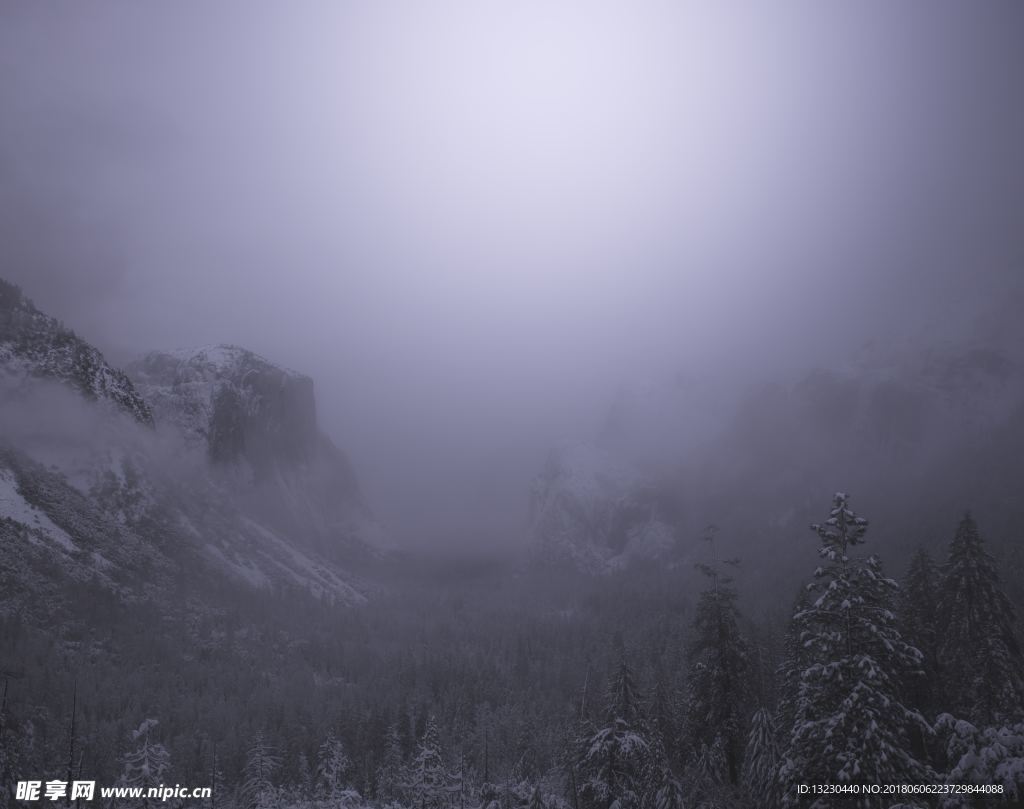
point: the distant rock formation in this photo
(597, 513)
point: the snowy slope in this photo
(14, 507)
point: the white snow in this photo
(223, 357)
(17, 508)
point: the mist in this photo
(474, 224)
(534, 405)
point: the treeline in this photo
(540, 690)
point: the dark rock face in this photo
(35, 345)
(227, 426)
(243, 407)
(258, 419)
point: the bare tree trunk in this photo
(213, 779)
(71, 746)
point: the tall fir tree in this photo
(918, 609)
(146, 764)
(981, 665)
(216, 781)
(851, 724)
(662, 789)
(718, 689)
(257, 789)
(663, 717)
(390, 772)
(428, 782)
(761, 760)
(790, 669)
(614, 759)
(331, 766)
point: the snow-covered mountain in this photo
(210, 462)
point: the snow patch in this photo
(14, 506)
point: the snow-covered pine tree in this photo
(664, 717)
(992, 756)
(704, 779)
(851, 724)
(613, 760)
(669, 794)
(216, 782)
(257, 790)
(428, 781)
(794, 660)
(489, 796)
(146, 764)
(662, 790)
(331, 766)
(761, 760)
(305, 782)
(918, 604)
(980, 656)
(391, 772)
(718, 692)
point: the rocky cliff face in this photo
(211, 463)
(235, 403)
(256, 423)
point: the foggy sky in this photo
(472, 222)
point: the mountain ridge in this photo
(33, 344)
(210, 458)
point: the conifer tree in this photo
(663, 714)
(428, 780)
(217, 782)
(718, 688)
(669, 794)
(662, 789)
(331, 765)
(305, 782)
(983, 756)
(613, 759)
(489, 796)
(851, 725)
(761, 760)
(981, 662)
(146, 765)
(257, 790)
(704, 774)
(390, 774)
(918, 605)
(794, 660)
